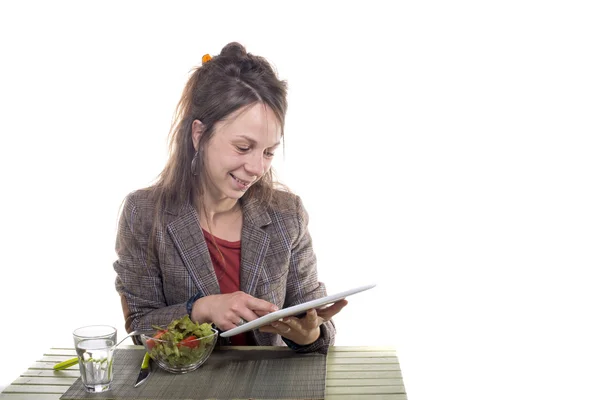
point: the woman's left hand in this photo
(305, 330)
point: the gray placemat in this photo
(227, 374)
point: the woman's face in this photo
(240, 151)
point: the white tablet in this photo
(294, 310)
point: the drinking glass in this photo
(95, 345)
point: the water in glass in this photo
(95, 363)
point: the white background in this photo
(448, 151)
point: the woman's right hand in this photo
(227, 310)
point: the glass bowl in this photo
(184, 356)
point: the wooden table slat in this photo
(29, 396)
(65, 373)
(361, 367)
(361, 382)
(50, 365)
(44, 380)
(365, 390)
(337, 349)
(363, 374)
(361, 360)
(61, 352)
(354, 354)
(394, 396)
(53, 359)
(35, 389)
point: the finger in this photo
(278, 328)
(268, 329)
(260, 305)
(295, 324)
(282, 327)
(245, 314)
(225, 325)
(328, 312)
(261, 313)
(267, 324)
(311, 320)
(245, 311)
(239, 314)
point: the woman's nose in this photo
(256, 164)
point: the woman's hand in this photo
(227, 310)
(304, 330)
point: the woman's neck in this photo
(213, 211)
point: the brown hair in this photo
(222, 85)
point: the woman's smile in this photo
(239, 183)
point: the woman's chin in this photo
(235, 194)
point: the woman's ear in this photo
(197, 130)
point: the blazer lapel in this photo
(255, 243)
(188, 238)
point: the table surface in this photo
(352, 373)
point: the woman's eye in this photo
(269, 154)
(242, 148)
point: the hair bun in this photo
(233, 49)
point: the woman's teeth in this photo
(240, 181)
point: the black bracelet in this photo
(294, 345)
(190, 303)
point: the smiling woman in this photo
(215, 237)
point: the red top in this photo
(226, 262)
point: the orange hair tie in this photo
(206, 58)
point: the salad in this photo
(178, 345)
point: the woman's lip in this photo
(246, 183)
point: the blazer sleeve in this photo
(139, 277)
(303, 284)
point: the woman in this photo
(214, 237)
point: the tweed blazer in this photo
(156, 277)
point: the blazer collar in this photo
(188, 238)
(255, 243)
(255, 212)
